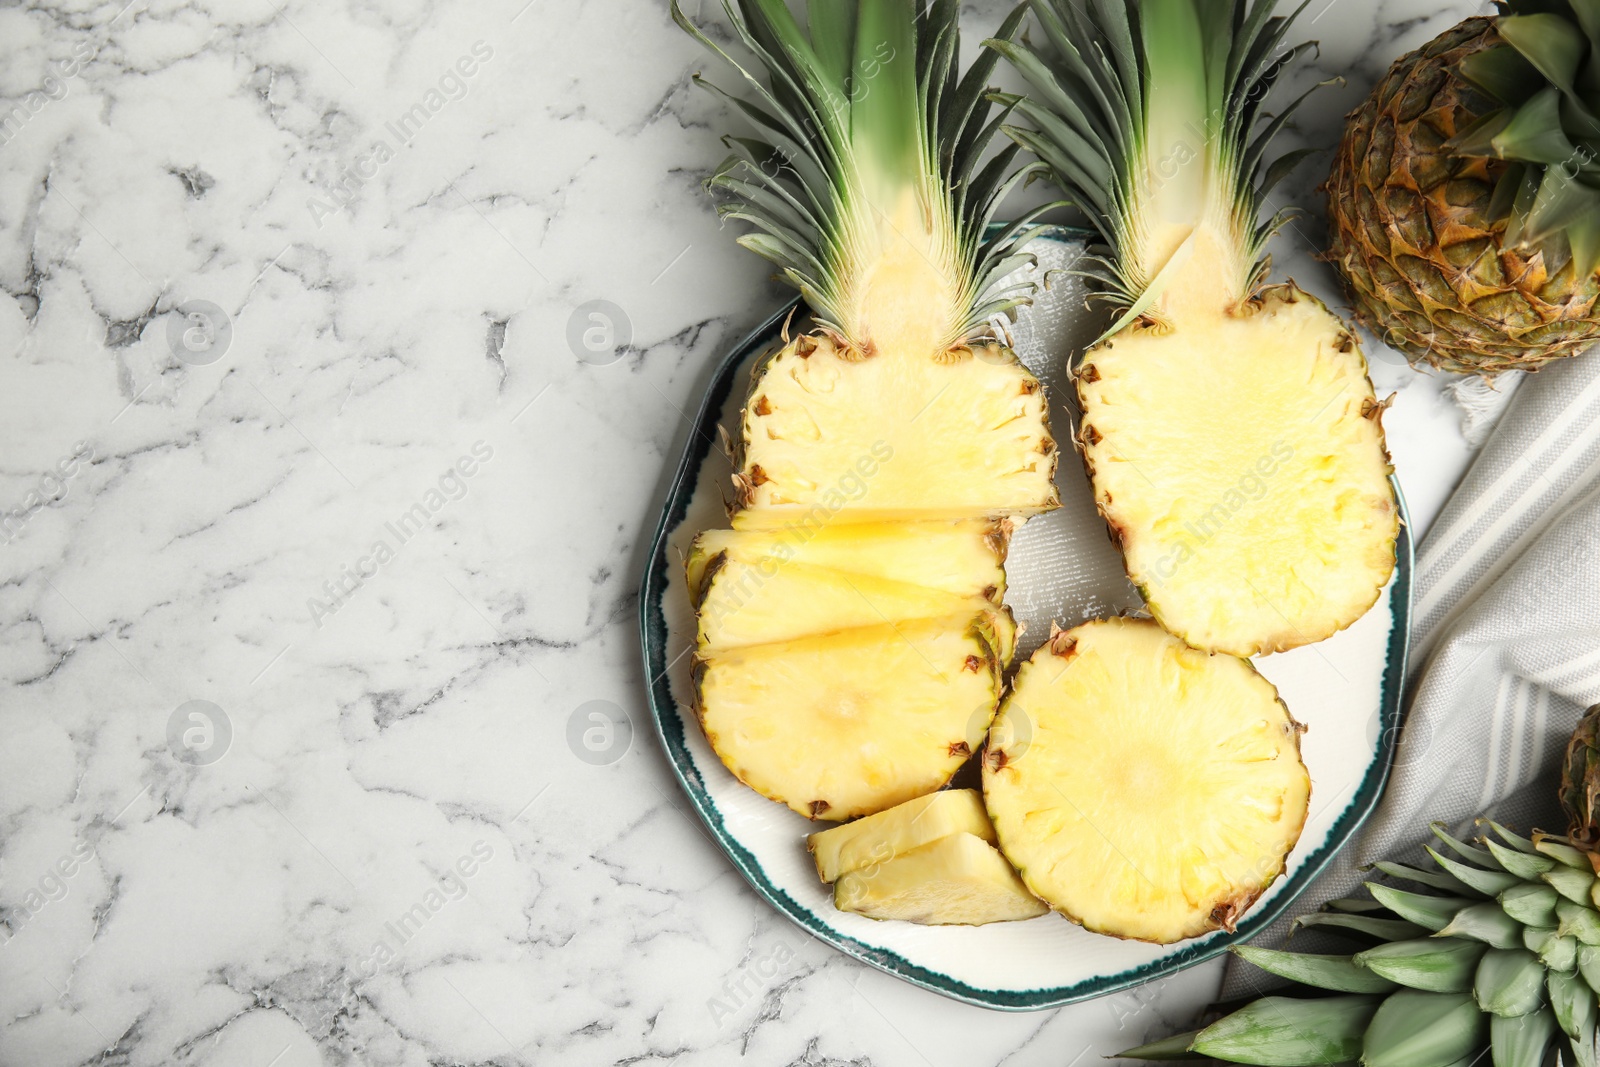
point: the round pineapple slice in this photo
(1144, 788)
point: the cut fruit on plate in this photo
(1143, 788)
(850, 723)
(764, 600)
(902, 828)
(958, 880)
(964, 557)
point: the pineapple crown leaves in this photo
(1126, 94)
(1545, 75)
(1494, 959)
(868, 97)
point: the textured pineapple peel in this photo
(1238, 457)
(1143, 788)
(896, 434)
(850, 723)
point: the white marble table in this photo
(387, 527)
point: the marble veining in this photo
(344, 347)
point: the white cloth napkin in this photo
(1505, 638)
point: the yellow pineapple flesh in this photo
(766, 599)
(849, 723)
(881, 837)
(1143, 788)
(963, 557)
(1238, 458)
(901, 433)
(959, 879)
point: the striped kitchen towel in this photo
(1505, 638)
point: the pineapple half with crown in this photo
(1229, 426)
(1143, 788)
(866, 187)
(1490, 957)
(1464, 199)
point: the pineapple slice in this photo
(1274, 532)
(766, 600)
(881, 837)
(959, 879)
(901, 433)
(1142, 787)
(964, 557)
(850, 723)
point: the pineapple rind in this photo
(965, 557)
(881, 837)
(830, 432)
(957, 880)
(1143, 788)
(850, 723)
(1239, 461)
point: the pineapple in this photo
(1229, 427)
(865, 189)
(877, 838)
(1143, 788)
(964, 557)
(1463, 208)
(850, 647)
(1491, 956)
(849, 723)
(760, 601)
(959, 879)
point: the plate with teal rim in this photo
(1062, 568)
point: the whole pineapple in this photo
(1463, 200)
(1493, 959)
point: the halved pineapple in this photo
(964, 557)
(1144, 788)
(902, 433)
(765, 600)
(881, 837)
(850, 723)
(959, 879)
(1280, 529)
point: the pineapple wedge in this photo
(964, 557)
(958, 880)
(850, 723)
(766, 600)
(881, 837)
(1144, 788)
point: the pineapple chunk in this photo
(850, 723)
(761, 601)
(1145, 789)
(958, 880)
(1239, 460)
(888, 834)
(894, 434)
(964, 557)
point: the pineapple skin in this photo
(1153, 817)
(1410, 232)
(830, 432)
(1189, 556)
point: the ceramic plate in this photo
(1062, 567)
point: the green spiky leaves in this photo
(867, 155)
(1546, 77)
(1510, 970)
(1148, 115)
